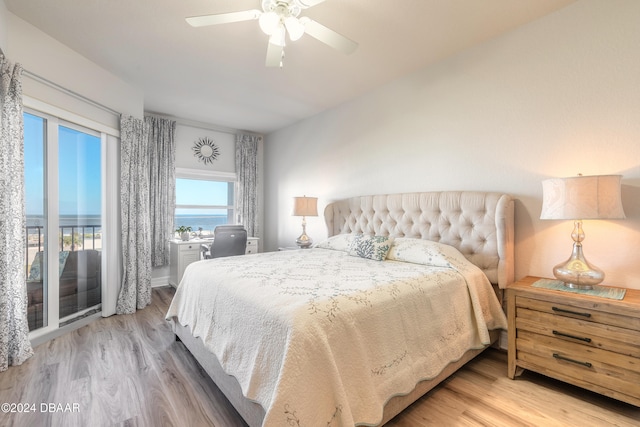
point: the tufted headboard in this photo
(478, 224)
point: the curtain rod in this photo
(192, 123)
(69, 92)
(201, 125)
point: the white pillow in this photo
(425, 252)
(339, 242)
(371, 247)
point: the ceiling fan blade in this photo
(275, 54)
(305, 4)
(223, 18)
(328, 36)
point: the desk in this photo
(184, 253)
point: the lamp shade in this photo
(305, 206)
(582, 197)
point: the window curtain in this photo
(162, 186)
(135, 291)
(247, 185)
(15, 346)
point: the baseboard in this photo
(38, 337)
(157, 282)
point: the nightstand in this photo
(182, 253)
(252, 245)
(591, 342)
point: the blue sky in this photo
(201, 192)
(79, 169)
(79, 175)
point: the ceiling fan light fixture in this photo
(277, 19)
(305, 4)
(269, 22)
(278, 36)
(295, 28)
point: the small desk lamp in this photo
(578, 198)
(305, 206)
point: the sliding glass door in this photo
(63, 179)
(79, 214)
(36, 226)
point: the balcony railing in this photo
(35, 236)
(79, 269)
(70, 238)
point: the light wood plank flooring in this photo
(129, 371)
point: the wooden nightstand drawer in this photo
(577, 363)
(588, 341)
(621, 340)
(582, 311)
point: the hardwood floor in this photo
(129, 371)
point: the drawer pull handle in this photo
(560, 310)
(561, 334)
(557, 356)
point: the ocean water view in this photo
(66, 220)
(87, 229)
(206, 222)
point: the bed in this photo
(354, 330)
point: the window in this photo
(202, 204)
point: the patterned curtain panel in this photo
(15, 347)
(247, 187)
(135, 292)
(162, 186)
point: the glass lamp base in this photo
(576, 272)
(304, 241)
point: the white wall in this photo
(555, 98)
(3, 26)
(45, 57)
(187, 135)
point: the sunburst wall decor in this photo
(206, 150)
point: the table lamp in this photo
(579, 198)
(305, 206)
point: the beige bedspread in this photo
(318, 337)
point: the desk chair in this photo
(228, 240)
(206, 250)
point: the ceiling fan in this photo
(278, 19)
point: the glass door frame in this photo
(54, 118)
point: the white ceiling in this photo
(217, 75)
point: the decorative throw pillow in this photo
(35, 274)
(339, 242)
(371, 247)
(425, 252)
